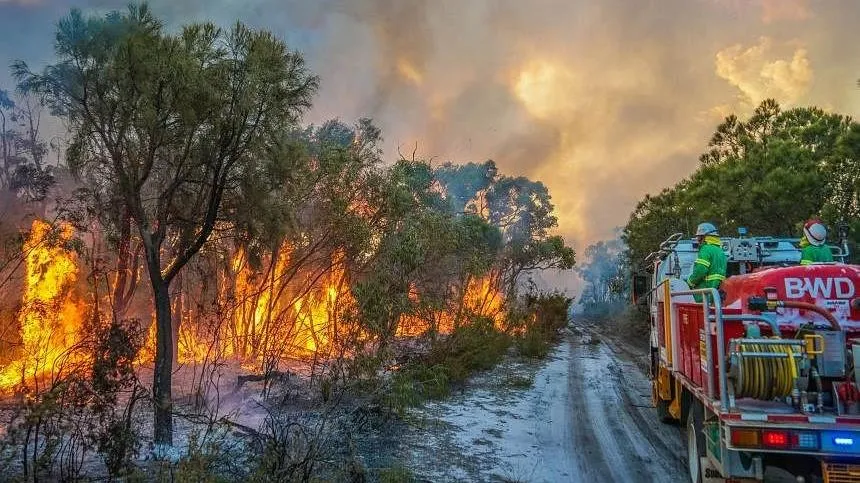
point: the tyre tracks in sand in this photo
(587, 417)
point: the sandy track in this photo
(586, 418)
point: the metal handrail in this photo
(797, 342)
(670, 242)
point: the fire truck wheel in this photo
(695, 442)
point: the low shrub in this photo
(538, 321)
(532, 326)
(535, 343)
(396, 474)
(450, 360)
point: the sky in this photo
(601, 100)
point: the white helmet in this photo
(815, 232)
(706, 229)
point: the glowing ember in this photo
(50, 318)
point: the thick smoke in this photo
(602, 100)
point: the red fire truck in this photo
(763, 373)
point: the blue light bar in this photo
(840, 442)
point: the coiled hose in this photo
(763, 377)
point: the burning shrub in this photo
(51, 314)
(113, 376)
(84, 407)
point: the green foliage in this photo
(768, 173)
(200, 463)
(413, 384)
(539, 321)
(463, 182)
(396, 474)
(517, 381)
(534, 326)
(451, 360)
(534, 344)
(472, 347)
(422, 247)
(521, 209)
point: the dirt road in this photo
(585, 418)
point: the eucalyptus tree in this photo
(169, 124)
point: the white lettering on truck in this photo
(841, 287)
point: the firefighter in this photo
(812, 244)
(709, 269)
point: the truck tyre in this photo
(695, 441)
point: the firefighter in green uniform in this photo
(709, 269)
(812, 245)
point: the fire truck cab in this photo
(759, 373)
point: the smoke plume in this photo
(603, 101)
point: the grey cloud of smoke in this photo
(603, 101)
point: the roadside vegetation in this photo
(531, 330)
(768, 173)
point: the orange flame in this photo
(482, 298)
(50, 318)
(264, 316)
(272, 315)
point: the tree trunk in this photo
(161, 384)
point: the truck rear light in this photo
(745, 438)
(844, 442)
(775, 439)
(804, 440)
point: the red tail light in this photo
(775, 439)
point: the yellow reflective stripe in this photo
(702, 261)
(806, 262)
(716, 276)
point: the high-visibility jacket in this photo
(810, 253)
(709, 270)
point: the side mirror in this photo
(640, 287)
